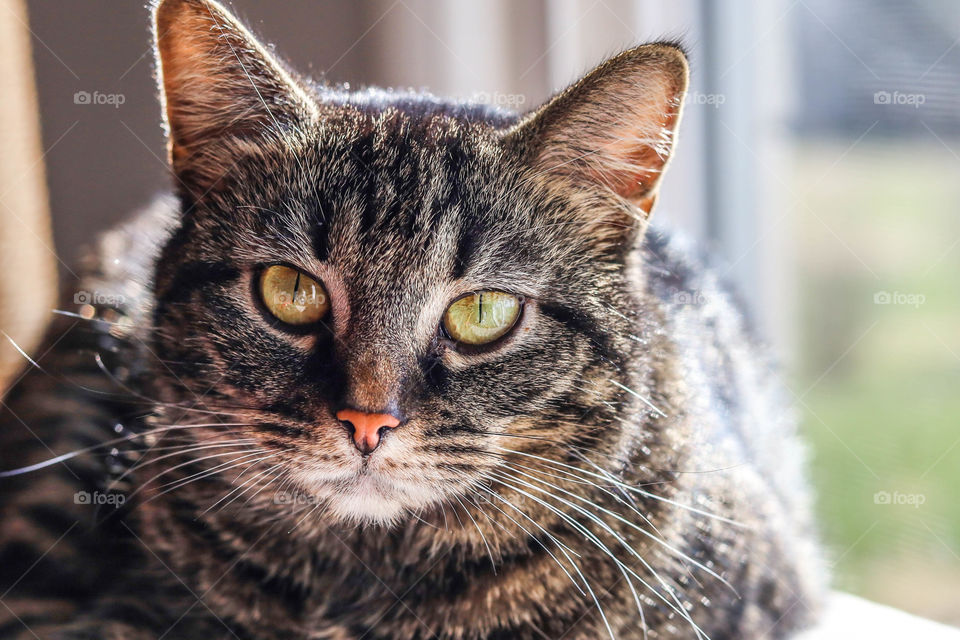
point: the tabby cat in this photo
(394, 367)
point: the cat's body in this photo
(620, 464)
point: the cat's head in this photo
(394, 291)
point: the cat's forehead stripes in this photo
(401, 193)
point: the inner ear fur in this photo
(614, 129)
(218, 83)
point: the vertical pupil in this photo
(480, 309)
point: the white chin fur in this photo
(366, 508)
(366, 500)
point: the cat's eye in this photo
(292, 296)
(482, 317)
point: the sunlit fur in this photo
(618, 465)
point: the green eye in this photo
(292, 296)
(481, 318)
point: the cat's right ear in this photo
(220, 88)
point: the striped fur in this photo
(620, 466)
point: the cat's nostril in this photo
(367, 428)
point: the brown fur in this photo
(618, 465)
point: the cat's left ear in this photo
(219, 87)
(615, 128)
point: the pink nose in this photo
(366, 427)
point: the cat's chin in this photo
(368, 499)
(374, 510)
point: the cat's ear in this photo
(613, 129)
(219, 84)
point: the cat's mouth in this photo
(346, 485)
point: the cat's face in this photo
(403, 218)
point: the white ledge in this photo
(849, 617)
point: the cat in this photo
(387, 366)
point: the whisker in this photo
(639, 397)
(629, 548)
(180, 452)
(270, 481)
(232, 465)
(602, 547)
(486, 544)
(22, 352)
(628, 487)
(99, 360)
(563, 548)
(79, 452)
(247, 484)
(586, 582)
(298, 522)
(632, 525)
(200, 474)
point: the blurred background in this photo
(818, 162)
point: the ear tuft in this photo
(217, 82)
(616, 127)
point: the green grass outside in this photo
(885, 416)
